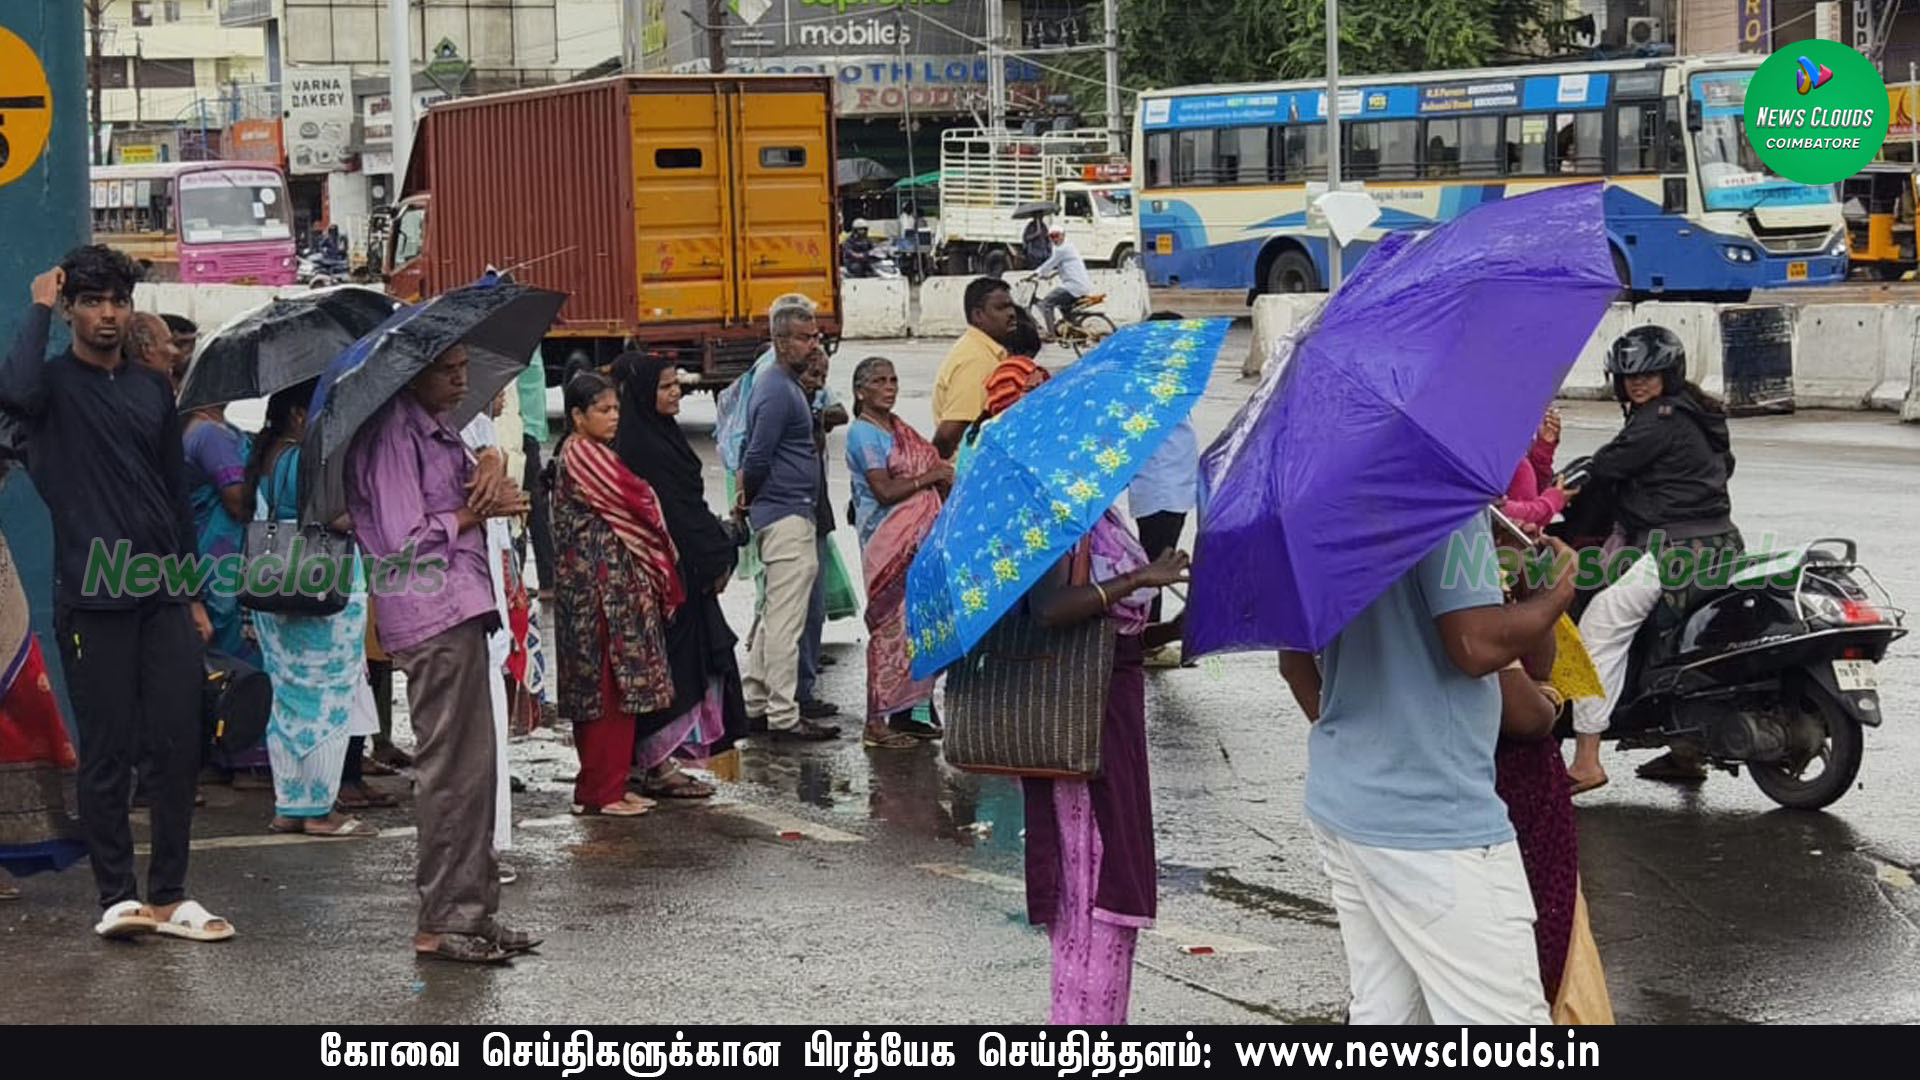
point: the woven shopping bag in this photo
(1029, 701)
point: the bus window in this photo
(1443, 148)
(1676, 142)
(1159, 159)
(1384, 149)
(1243, 156)
(1527, 145)
(1303, 152)
(1577, 144)
(1480, 146)
(1636, 135)
(1193, 162)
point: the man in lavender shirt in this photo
(420, 503)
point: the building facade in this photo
(165, 71)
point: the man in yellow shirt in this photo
(960, 390)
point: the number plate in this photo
(1163, 244)
(1852, 675)
(1796, 271)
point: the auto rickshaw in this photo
(1878, 204)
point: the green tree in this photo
(1185, 42)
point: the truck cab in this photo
(403, 260)
(1098, 219)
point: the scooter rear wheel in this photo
(1837, 762)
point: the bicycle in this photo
(1079, 328)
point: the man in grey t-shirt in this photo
(779, 481)
(1435, 913)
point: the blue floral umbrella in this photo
(1041, 475)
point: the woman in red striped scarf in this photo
(616, 588)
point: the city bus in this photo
(1691, 210)
(198, 221)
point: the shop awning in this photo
(924, 180)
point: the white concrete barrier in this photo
(1837, 359)
(164, 298)
(943, 306)
(1588, 377)
(1276, 318)
(1899, 353)
(214, 305)
(875, 308)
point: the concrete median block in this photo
(943, 306)
(943, 299)
(1276, 319)
(1587, 380)
(1899, 355)
(215, 305)
(1837, 355)
(875, 308)
(164, 298)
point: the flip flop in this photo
(1582, 786)
(619, 809)
(892, 740)
(675, 785)
(124, 920)
(192, 922)
(9, 892)
(352, 828)
(464, 949)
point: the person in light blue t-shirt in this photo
(1434, 907)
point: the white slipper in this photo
(191, 921)
(124, 920)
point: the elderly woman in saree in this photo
(617, 587)
(899, 480)
(318, 663)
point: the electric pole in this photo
(94, 7)
(399, 87)
(716, 36)
(1333, 135)
(1116, 134)
(996, 65)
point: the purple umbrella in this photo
(1400, 414)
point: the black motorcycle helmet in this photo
(1646, 350)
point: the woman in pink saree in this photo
(899, 480)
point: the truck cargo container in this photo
(672, 209)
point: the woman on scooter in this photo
(1669, 468)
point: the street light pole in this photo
(906, 116)
(1333, 134)
(1111, 15)
(996, 65)
(400, 86)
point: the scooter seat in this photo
(1089, 301)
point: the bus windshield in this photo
(228, 205)
(1732, 176)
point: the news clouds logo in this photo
(1816, 112)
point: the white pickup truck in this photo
(987, 175)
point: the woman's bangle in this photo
(1105, 603)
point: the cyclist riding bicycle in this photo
(1075, 284)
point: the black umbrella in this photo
(1034, 210)
(282, 343)
(500, 325)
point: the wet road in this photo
(840, 885)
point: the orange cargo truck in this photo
(672, 209)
